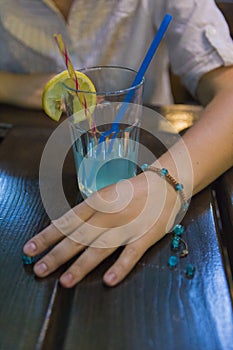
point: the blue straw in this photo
(147, 59)
(139, 76)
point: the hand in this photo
(135, 213)
(23, 89)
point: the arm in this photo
(210, 140)
(22, 89)
(209, 143)
(214, 132)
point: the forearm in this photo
(209, 142)
(22, 89)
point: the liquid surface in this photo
(99, 168)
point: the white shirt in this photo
(117, 32)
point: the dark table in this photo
(153, 308)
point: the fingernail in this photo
(67, 278)
(41, 268)
(110, 277)
(30, 247)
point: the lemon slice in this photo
(52, 95)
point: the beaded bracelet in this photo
(178, 229)
(178, 187)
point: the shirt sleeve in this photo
(198, 39)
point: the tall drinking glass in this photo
(105, 136)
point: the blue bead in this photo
(163, 172)
(179, 187)
(28, 260)
(172, 261)
(190, 271)
(178, 229)
(144, 167)
(175, 243)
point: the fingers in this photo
(59, 228)
(94, 255)
(49, 236)
(130, 256)
(90, 258)
(62, 253)
(59, 255)
(101, 248)
(70, 246)
(67, 248)
(124, 264)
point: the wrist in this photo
(175, 199)
(162, 198)
(179, 165)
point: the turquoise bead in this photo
(172, 261)
(190, 271)
(163, 172)
(144, 167)
(178, 230)
(175, 243)
(28, 260)
(179, 187)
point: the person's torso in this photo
(103, 32)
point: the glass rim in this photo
(107, 93)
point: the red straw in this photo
(73, 76)
(71, 71)
(67, 60)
